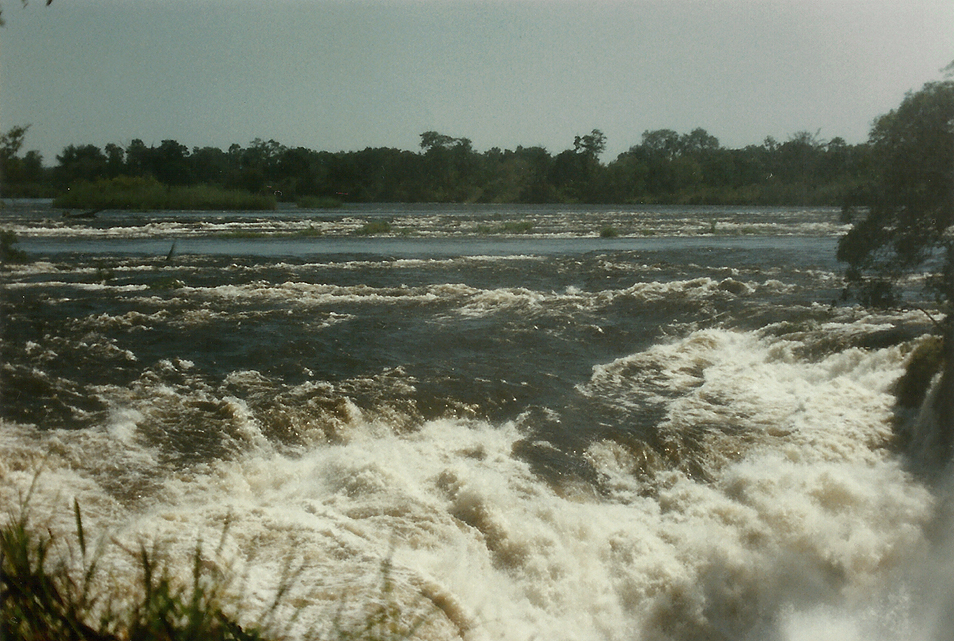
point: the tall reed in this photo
(52, 589)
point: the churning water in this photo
(676, 431)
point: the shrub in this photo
(374, 227)
(8, 252)
(147, 194)
(517, 227)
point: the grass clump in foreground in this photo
(147, 194)
(52, 589)
(43, 596)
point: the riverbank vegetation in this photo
(9, 252)
(907, 232)
(663, 167)
(147, 194)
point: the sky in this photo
(341, 75)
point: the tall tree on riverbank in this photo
(10, 144)
(26, 173)
(909, 229)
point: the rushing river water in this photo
(677, 431)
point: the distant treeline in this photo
(665, 167)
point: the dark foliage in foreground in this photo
(54, 590)
(908, 231)
(41, 599)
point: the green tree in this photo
(115, 160)
(21, 176)
(592, 144)
(83, 162)
(577, 174)
(449, 167)
(432, 140)
(698, 142)
(909, 228)
(518, 176)
(137, 158)
(660, 144)
(170, 163)
(259, 165)
(11, 143)
(669, 160)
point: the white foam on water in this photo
(806, 526)
(322, 294)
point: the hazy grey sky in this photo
(343, 75)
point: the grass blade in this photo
(79, 528)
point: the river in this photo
(547, 422)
